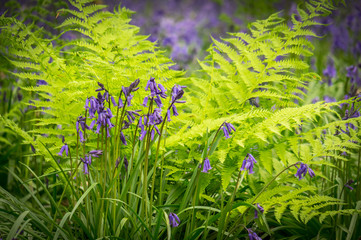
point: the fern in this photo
(110, 51)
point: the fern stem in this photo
(272, 180)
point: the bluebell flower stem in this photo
(145, 170)
(358, 188)
(196, 192)
(156, 158)
(133, 149)
(63, 193)
(272, 180)
(195, 200)
(116, 126)
(120, 124)
(229, 204)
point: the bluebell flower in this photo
(302, 171)
(353, 74)
(252, 235)
(226, 133)
(32, 148)
(329, 73)
(91, 126)
(168, 115)
(174, 109)
(174, 220)
(128, 90)
(206, 166)
(156, 92)
(328, 99)
(248, 163)
(260, 208)
(122, 138)
(101, 87)
(177, 93)
(145, 101)
(81, 121)
(82, 139)
(130, 115)
(113, 101)
(349, 182)
(227, 129)
(96, 153)
(120, 103)
(315, 100)
(126, 163)
(117, 162)
(155, 118)
(64, 148)
(87, 161)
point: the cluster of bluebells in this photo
(102, 115)
(353, 113)
(174, 220)
(157, 92)
(248, 163)
(302, 171)
(97, 105)
(87, 160)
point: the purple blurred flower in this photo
(128, 90)
(248, 163)
(341, 37)
(329, 73)
(353, 74)
(96, 153)
(64, 147)
(328, 99)
(126, 163)
(260, 208)
(227, 129)
(117, 162)
(316, 99)
(206, 166)
(174, 220)
(81, 136)
(32, 148)
(81, 121)
(252, 235)
(113, 101)
(122, 138)
(302, 171)
(349, 182)
(87, 161)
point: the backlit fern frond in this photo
(109, 51)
